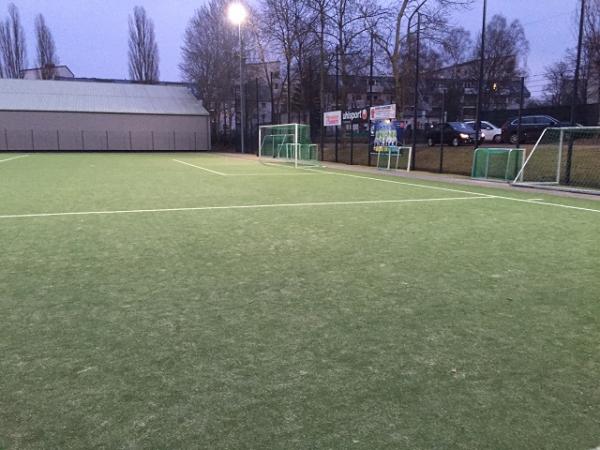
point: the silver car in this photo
(490, 131)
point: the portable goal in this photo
(497, 164)
(564, 158)
(288, 143)
(394, 157)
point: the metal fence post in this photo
(6, 138)
(58, 140)
(107, 145)
(82, 140)
(130, 142)
(152, 136)
(32, 142)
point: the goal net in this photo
(564, 157)
(288, 143)
(497, 164)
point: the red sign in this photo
(332, 118)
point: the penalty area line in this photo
(240, 207)
(201, 168)
(13, 158)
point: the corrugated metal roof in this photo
(77, 96)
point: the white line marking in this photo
(13, 158)
(264, 206)
(281, 165)
(271, 174)
(439, 188)
(520, 200)
(201, 168)
(539, 202)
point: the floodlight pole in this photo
(242, 102)
(575, 98)
(370, 100)
(337, 96)
(416, 104)
(480, 87)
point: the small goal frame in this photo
(290, 149)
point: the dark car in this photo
(454, 133)
(532, 128)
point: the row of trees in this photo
(316, 38)
(143, 49)
(559, 75)
(13, 47)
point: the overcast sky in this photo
(91, 35)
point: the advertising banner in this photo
(388, 133)
(355, 115)
(332, 118)
(383, 112)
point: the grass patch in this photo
(432, 324)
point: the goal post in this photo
(287, 143)
(497, 164)
(566, 157)
(392, 157)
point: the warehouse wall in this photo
(31, 131)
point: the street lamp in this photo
(237, 14)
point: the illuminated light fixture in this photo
(237, 13)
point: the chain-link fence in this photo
(30, 140)
(446, 159)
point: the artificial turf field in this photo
(228, 304)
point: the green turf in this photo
(417, 325)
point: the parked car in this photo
(491, 133)
(532, 128)
(454, 133)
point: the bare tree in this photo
(12, 44)
(143, 50)
(210, 59)
(592, 41)
(506, 53)
(558, 76)
(285, 20)
(456, 46)
(393, 36)
(46, 49)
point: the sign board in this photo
(332, 118)
(383, 112)
(355, 115)
(388, 133)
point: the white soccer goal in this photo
(564, 157)
(392, 157)
(287, 143)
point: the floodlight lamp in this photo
(237, 13)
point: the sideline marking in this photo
(263, 206)
(201, 168)
(541, 202)
(534, 201)
(439, 188)
(13, 158)
(272, 174)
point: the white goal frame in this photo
(561, 141)
(393, 151)
(287, 152)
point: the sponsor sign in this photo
(332, 118)
(388, 133)
(383, 112)
(355, 115)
